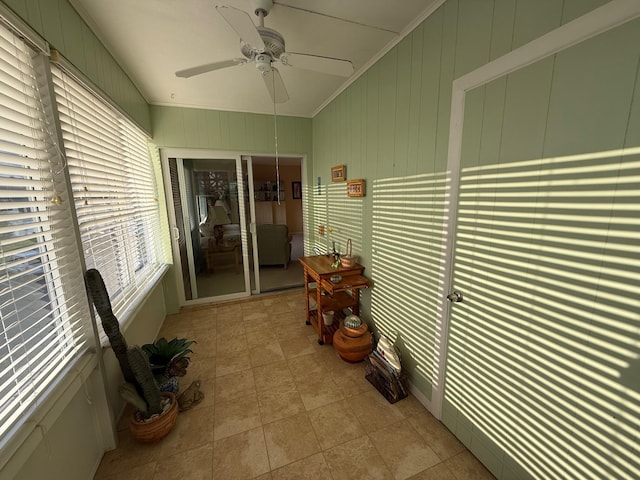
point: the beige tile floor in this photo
(278, 406)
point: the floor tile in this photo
(289, 328)
(276, 307)
(193, 428)
(375, 411)
(240, 457)
(351, 383)
(308, 414)
(232, 363)
(235, 385)
(437, 472)
(318, 391)
(330, 358)
(230, 326)
(139, 472)
(310, 468)
(266, 354)
(204, 335)
(195, 464)
(129, 454)
(235, 416)
(279, 402)
(357, 460)
(230, 342)
(199, 369)
(403, 450)
(257, 335)
(289, 440)
(306, 366)
(336, 424)
(271, 376)
(229, 312)
(296, 346)
(258, 317)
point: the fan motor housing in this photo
(273, 42)
(263, 6)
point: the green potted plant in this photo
(169, 360)
(156, 411)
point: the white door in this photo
(543, 346)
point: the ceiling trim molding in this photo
(410, 28)
(221, 109)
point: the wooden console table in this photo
(329, 296)
(215, 255)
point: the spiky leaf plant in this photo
(162, 353)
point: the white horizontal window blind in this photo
(114, 187)
(44, 314)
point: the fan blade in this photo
(316, 63)
(209, 67)
(241, 22)
(275, 85)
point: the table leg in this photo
(306, 295)
(319, 312)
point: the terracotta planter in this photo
(157, 428)
(352, 349)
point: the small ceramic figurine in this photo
(191, 397)
(178, 367)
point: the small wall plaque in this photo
(338, 173)
(355, 188)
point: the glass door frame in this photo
(252, 227)
(195, 154)
(252, 230)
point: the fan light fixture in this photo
(266, 47)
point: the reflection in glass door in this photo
(211, 222)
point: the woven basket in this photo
(157, 428)
(348, 260)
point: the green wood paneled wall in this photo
(219, 130)
(546, 199)
(61, 26)
(393, 121)
(392, 126)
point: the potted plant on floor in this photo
(169, 360)
(156, 411)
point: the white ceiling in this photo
(152, 39)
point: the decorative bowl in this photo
(352, 321)
(353, 332)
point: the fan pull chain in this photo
(275, 130)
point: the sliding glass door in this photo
(209, 217)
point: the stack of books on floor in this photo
(385, 373)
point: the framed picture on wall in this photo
(355, 188)
(296, 190)
(338, 173)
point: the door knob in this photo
(455, 296)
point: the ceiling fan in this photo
(266, 47)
